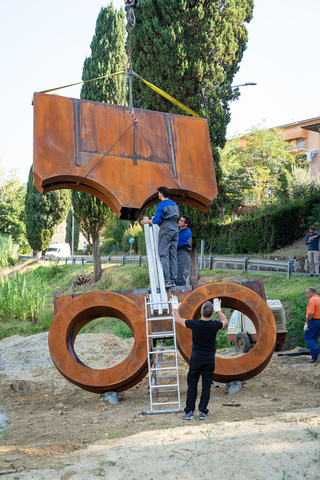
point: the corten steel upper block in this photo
(71, 136)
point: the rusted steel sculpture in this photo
(73, 313)
(95, 147)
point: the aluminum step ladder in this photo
(162, 358)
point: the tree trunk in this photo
(194, 271)
(38, 255)
(96, 258)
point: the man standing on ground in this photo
(202, 359)
(312, 333)
(312, 240)
(166, 217)
(184, 246)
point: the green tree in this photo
(76, 231)
(92, 215)
(43, 212)
(12, 212)
(107, 56)
(257, 167)
(192, 51)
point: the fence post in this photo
(246, 264)
(82, 261)
(210, 262)
(123, 259)
(289, 269)
(140, 260)
(66, 261)
(202, 255)
(109, 259)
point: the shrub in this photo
(8, 251)
(273, 228)
(22, 296)
(140, 277)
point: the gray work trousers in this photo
(313, 258)
(167, 247)
(184, 266)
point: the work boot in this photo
(188, 416)
(204, 416)
(315, 361)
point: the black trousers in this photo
(196, 367)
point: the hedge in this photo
(273, 229)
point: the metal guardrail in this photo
(122, 259)
(211, 262)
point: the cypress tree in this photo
(92, 216)
(43, 212)
(107, 56)
(192, 50)
(76, 233)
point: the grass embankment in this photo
(59, 279)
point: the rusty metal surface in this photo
(245, 300)
(71, 136)
(78, 312)
(72, 312)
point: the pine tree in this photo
(76, 233)
(43, 212)
(107, 56)
(92, 216)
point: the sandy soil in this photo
(57, 431)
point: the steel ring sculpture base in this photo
(246, 301)
(77, 313)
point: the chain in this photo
(130, 26)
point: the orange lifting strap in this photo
(94, 147)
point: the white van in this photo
(58, 250)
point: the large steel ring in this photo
(246, 301)
(77, 313)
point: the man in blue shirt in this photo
(312, 240)
(202, 361)
(166, 217)
(184, 246)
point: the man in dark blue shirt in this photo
(184, 246)
(166, 217)
(312, 240)
(202, 359)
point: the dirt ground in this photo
(270, 428)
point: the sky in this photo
(44, 45)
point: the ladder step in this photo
(167, 376)
(163, 386)
(165, 403)
(152, 319)
(164, 368)
(161, 335)
(163, 362)
(162, 351)
(167, 391)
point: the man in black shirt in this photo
(202, 359)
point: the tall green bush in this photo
(22, 297)
(8, 251)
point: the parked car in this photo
(58, 250)
(242, 332)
